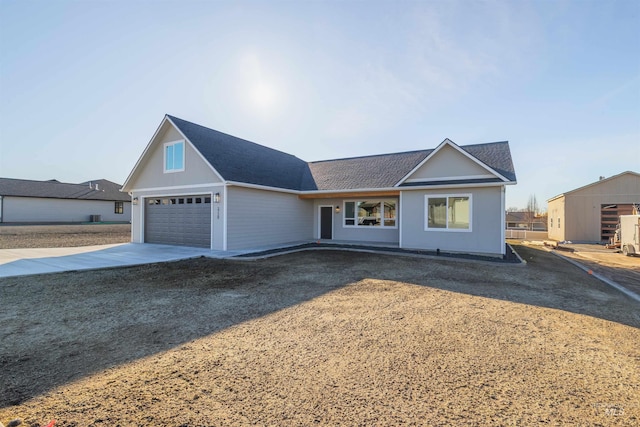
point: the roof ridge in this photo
(47, 181)
(484, 143)
(372, 155)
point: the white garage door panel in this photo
(183, 220)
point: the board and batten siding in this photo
(357, 234)
(486, 223)
(258, 218)
(36, 209)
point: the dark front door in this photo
(326, 222)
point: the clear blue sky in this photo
(84, 85)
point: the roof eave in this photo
(455, 146)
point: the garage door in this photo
(179, 220)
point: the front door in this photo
(326, 222)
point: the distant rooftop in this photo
(99, 189)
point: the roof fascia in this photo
(151, 143)
(262, 187)
(468, 185)
(196, 150)
(350, 190)
(455, 146)
(414, 187)
(555, 197)
(595, 183)
(144, 153)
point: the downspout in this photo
(224, 216)
(503, 222)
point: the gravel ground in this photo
(62, 236)
(320, 338)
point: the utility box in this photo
(630, 234)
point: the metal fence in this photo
(526, 234)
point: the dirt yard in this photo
(320, 338)
(62, 236)
(624, 270)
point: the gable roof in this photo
(595, 183)
(54, 189)
(240, 161)
(243, 161)
(387, 170)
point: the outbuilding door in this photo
(178, 220)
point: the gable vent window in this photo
(174, 156)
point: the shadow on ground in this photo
(63, 327)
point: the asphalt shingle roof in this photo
(59, 190)
(243, 161)
(382, 171)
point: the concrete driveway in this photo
(19, 262)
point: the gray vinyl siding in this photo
(487, 223)
(355, 234)
(258, 218)
(447, 163)
(35, 209)
(152, 175)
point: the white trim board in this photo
(455, 146)
(450, 178)
(194, 148)
(178, 187)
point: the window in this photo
(448, 212)
(119, 207)
(370, 213)
(174, 156)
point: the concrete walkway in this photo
(19, 262)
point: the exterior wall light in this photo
(337, 209)
(135, 201)
(216, 198)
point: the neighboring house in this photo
(198, 187)
(590, 213)
(526, 220)
(25, 201)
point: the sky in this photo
(85, 84)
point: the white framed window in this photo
(370, 213)
(174, 156)
(448, 212)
